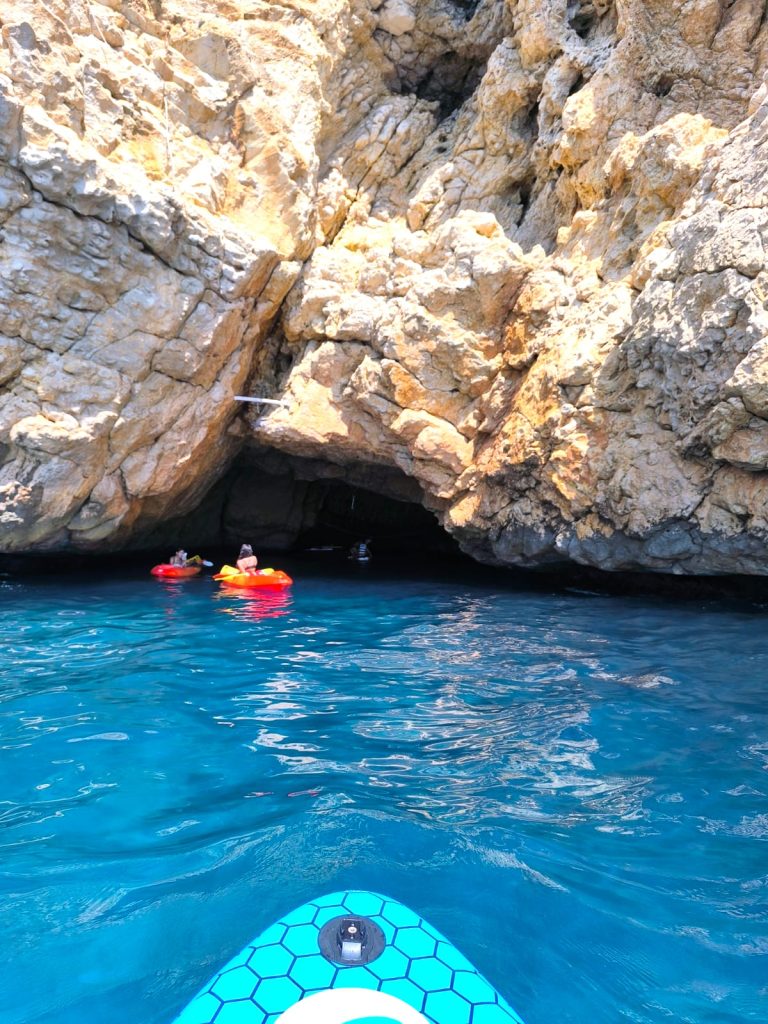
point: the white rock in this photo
(397, 17)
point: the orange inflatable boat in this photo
(230, 577)
(167, 571)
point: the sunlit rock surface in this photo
(511, 252)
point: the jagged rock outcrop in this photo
(511, 250)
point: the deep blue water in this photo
(572, 787)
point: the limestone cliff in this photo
(513, 251)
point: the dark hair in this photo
(245, 551)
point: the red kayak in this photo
(167, 571)
(261, 578)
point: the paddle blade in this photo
(226, 570)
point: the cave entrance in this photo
(289, 503)
(345, 514)
(281, 503)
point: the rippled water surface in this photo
(572, 787)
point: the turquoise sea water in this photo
(571, 787)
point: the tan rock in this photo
(397, 17)
(514, 253)
(746, 449)
(749, 381)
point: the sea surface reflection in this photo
(571, 787)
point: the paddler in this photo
(181, 558)
(246, 560)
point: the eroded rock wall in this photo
(156, 197)
(513, 250)
(552, 316)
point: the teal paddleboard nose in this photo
(349, 958)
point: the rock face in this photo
(512, 251)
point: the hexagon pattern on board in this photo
(284, 965)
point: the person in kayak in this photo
(181, 558)
(246, 560)
(360, 551)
